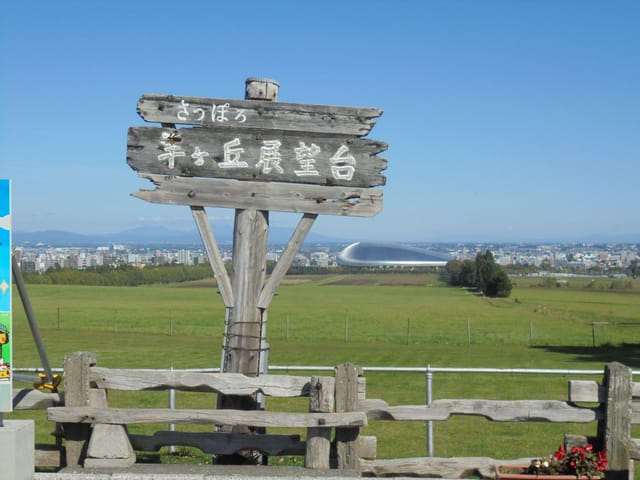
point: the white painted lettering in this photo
(198, 156)
(270, 157)
(305, 155)
(342, 166)
(183, 114)
(171, 148)
(232, 152)
(240, 116)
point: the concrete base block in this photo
(109, 447)
(109, 462)
(17, 449)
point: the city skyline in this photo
(564, 258)
(506, 121)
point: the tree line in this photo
(483, 274)
(129, 276)
(120, 276)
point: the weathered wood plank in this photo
(368, 446)
(224, 383)
(221, 443)
(286, 259)
(586, 391)
(48, 456)
(76, 382)
(633, 447)
(312, 199)
(213, 253)
(245, 335)
(615, 426)
(494, 410)
(635, 390)
(572, 440)
(225, 113)
(30, 399)
(347, 401)
(257, 155)
(123, 416)
(321, 399)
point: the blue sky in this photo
(506, 120)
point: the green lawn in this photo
(372, 320)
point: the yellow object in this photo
(44, 385)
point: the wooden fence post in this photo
(615, 428)
(76, 394)
(347, 401)
(321, 399)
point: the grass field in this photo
(372, 320)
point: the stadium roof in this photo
(377, 254)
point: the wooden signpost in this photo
(256, 155)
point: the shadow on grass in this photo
(625, 353)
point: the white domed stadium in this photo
(362, 254)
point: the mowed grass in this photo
(373, 320)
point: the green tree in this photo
(483, 273)
(491, 279)
(460, 273)
(468, 276)
(451, 272)
(634, 268)
(486, 268)
(499, 284)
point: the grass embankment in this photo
(372, 320)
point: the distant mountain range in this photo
(160, 235)
(156, 235)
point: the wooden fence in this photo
(95, 434)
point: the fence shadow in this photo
(629, 353)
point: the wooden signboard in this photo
(210, 192)
(225, 113)
(247, 153)
(258, 155)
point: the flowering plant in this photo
(579, 461)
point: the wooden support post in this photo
(213, 253)
(321, 400)
(347, 401)
(251, 229)
(249, 270)
(244, 330)
(76, 394)
(285, 261)
(615, 428)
